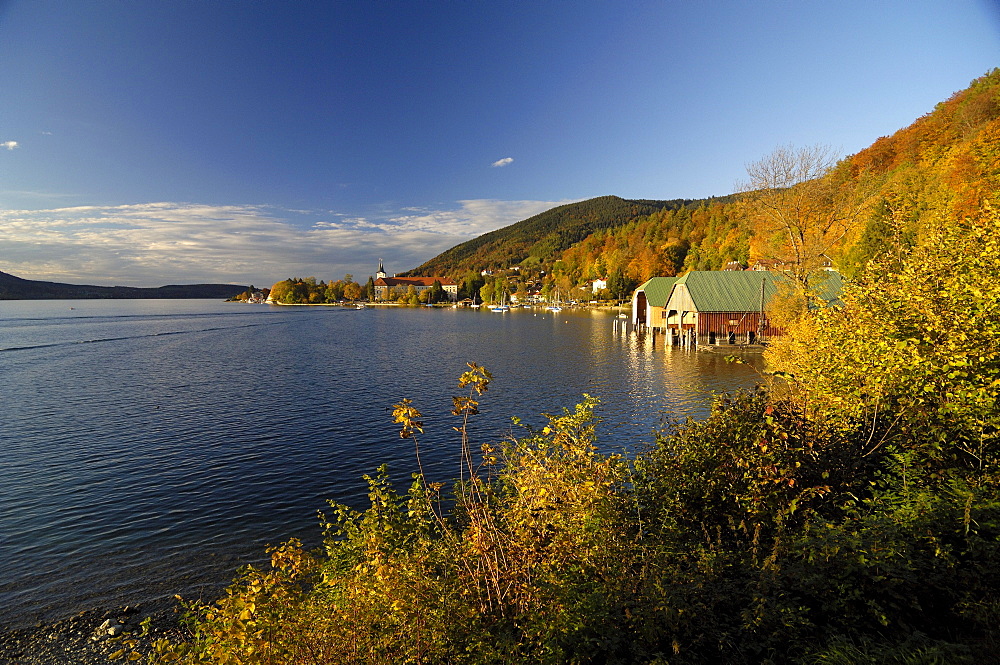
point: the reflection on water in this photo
(152, 446)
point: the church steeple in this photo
(381, 271)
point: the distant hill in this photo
(16, 288)
(543, 237)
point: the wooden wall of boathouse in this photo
(734, 328)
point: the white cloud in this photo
(503, 162)
(10, 145)
(152, 244)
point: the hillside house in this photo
(598, 284)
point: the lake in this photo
(153, 446)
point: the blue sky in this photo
(149, 142)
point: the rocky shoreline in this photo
(89, 637)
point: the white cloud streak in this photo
(10, 145)
(153, 244)
(503, 162)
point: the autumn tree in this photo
(352, 291)
(335, 291)
(921, 339)
(801, 204)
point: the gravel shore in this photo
(88, 638)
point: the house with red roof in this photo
(386, 288)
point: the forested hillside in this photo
(799, 208)
(542, 238)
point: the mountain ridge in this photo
(18, 288)
(546, 235)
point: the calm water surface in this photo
(151, 447)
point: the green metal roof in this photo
(828, 285)
(740, 290)
(657, 290)
(729, 290)
(734, 290)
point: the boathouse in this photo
(716, 307)
(649, 303)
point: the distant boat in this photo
(502, 307)
(556, 306)
(360, 306)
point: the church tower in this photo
(381, 271)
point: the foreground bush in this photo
(749, 537)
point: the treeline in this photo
(846, 512)
(664, 244)
(307, 291)
(299, 291)
(528, 280)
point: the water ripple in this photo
(161, 458)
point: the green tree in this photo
(286, 291)
(486, 292)
(436, 293)
(471, 284)
(620, 286)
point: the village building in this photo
(761, 265)
(386, 287)
(824, 263)
(715, 307)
